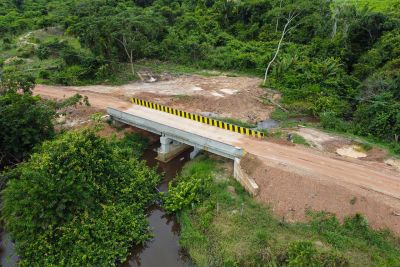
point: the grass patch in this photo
(176, 68)
(229, 228)
(298, 139)
(237, 122)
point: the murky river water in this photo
(163, 250)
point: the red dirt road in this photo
(297, 171)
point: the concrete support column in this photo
(195, 152)
(165, 145)
(170, 149)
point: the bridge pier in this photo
(169, 149)
(195, 152)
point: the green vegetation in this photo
(297, 139)
(80, 200)
(24, 122)
(226, 227)
(339, 61)
(381, 5)
(237, 122)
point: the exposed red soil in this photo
(292, 178)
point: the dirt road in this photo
(375, 183)
(193, 93)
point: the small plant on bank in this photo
(188, 190)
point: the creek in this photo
(163, 249)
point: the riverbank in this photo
(228, 227)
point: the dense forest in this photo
(337, 61)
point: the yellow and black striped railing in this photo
(199, 118)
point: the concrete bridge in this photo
(178, 134)
(174, 138)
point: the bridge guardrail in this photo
(199, 118)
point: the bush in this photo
(330, 121)
(69, 76)
(26, 51)
(44, 74)
(187, 190)
(43, 52)
(80, 201)
(25, 121)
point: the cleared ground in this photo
(235, 97)
(291, 178)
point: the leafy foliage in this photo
(188, 189)
(79, 200)
(24, 122)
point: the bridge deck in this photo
(187, 125)
(193, 133)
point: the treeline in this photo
(337, 62)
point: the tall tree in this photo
(286, 29)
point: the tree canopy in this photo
(24, 122)
(80, 200)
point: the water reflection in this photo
(7, 251)
(163, 249)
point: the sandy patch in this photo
(196, 89)
(229, 91)
(233, 97)
(394, 163)
(217, 94)
(351, 151)
(315, 137)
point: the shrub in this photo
(25, 121)
(187, 190)
(330, 121)
(80, 201)
(43, 52)
(69, 76)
